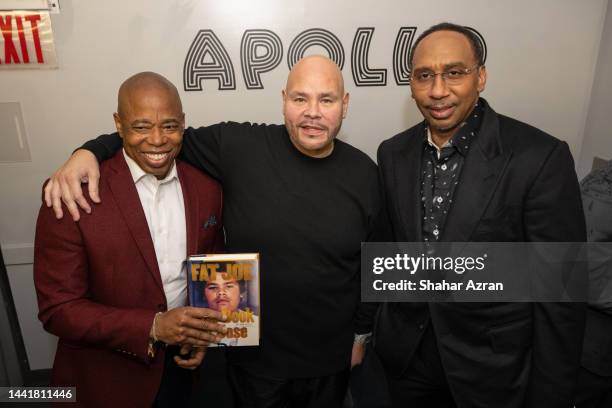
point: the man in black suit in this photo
(465, 174)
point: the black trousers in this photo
(594, 391)
(176, 384)
(368, 382)
(255, 391)
(424, 384)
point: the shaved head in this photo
(137, 83)
(314, 104)
(316, 64)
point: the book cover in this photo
(228, 283)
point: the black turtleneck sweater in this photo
(307, 218)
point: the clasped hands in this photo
(192, 328)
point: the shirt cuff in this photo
(362, 338)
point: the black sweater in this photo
(307, 218)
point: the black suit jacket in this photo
(517, 184)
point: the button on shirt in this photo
(440, 171)
(162, 202)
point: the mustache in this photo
(308, 123)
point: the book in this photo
(228, 283)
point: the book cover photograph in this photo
(228, 283)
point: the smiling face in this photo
(314, 104)
(444, 106)
(222, 294)
(151, 122)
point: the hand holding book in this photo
(195, 326)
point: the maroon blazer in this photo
(99, 285)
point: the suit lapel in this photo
(480, 175)
(191, 200)
(407, 175)
(126, 196)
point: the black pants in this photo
(254, 391)
(424, 384)
(594, 391)
(368, 383)
(176, 384)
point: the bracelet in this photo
(362, 338)
(155, 339)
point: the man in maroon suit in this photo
(110, 287)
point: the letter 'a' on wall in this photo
(27, 40)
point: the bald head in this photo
(314, 104)
(316, 65)
(141, 83)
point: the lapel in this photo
(191, 200)
(481, 172)
(407, 176)
(126, 196)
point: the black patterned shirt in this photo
(440, 173)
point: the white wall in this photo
(598, 131)
(541, 62)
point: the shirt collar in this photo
(431, 142)
(138, 173)
(467, 131)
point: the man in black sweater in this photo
(305, 201)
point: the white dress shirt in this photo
(432, 144)
(164, 208)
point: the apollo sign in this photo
(261, 51)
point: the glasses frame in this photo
(444, 76)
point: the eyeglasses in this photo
(452, 76)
